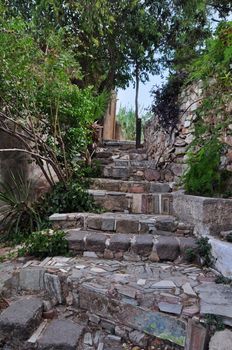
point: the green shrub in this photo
(67, 198)
(45, 243)
(203, 176)
(202, 251)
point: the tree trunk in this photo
(138, 120)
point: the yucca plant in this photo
(17, 209)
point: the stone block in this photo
(127, 226)
(152, 175)
(120, 242)
(94, 222)
(147, 204)
(143, 244)
(75, 240)
(221, 340)
(31, 278)
(166, 223)
(61, 335)
(170, 308)
(138, 338)
(96, 242)
(53, 287)
(159, 187)
(208, 215)
(215, 299)
(136, 188)
(222, 252)
(21, 318)
(185, 244)
(197, 337)
(167, 248)
(108, 224)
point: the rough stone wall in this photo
(20, 166)
(169, 147)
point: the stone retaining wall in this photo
(209, 216)
(169, 147)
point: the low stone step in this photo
(137, 203)
(61, 335)
(122, 145)
(134, 163)
(128, 246)
(130, 186)
(121, 223)
(20, 319)
(131, 173)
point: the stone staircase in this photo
(127, 285)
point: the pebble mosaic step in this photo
(129, 186)
(122, 223)
(148, 305)
(128, 246)
(144, 203)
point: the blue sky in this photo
(126, 98)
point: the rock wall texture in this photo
(19, 166)
(169, 147)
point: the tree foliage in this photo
(40, 106)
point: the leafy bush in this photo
(45, 243)
(202, 252)
(67, 198)
(203, 176)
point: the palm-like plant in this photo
(18, 208)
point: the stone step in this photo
(135, 163)
(131, 173)
(121, 223)
(63, 334)
(137, 203)
(128, 246)
(122, 145)
(130, 186)
(20, 319)
(139, 301)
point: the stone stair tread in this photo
(129, 217)
(61, 335)
(118, 193)
(21, 317)
(129, 246)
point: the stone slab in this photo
(61, 335)
(221, 340)
(21, 318)
(222, 252)
(215, 299)
(150, 322)
(209, 215)
(32, 278)
(197, 337)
